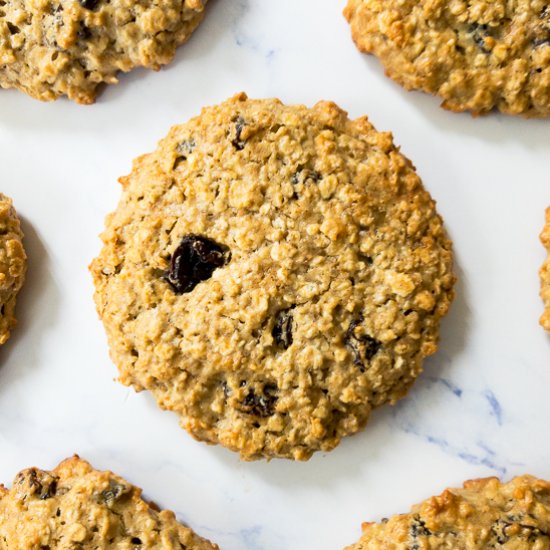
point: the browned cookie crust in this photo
(484, 514)
(545, 274)
(13, 264)
(50, 48)
(272, 273)
(75, 506)
(476, 55)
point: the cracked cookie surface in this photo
(50, 48)
(477, 55)
(75, 506)
(484, 514)
(273, 273)
(545, 274)
(13, 264)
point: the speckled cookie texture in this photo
(477, 55)
(69, 47)
(13, 264)
(545, 274)
(75, 506)
(484, 514)
(273, 273)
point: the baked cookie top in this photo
(75, 506)
(272, 273)
(477, 55)
(50, 48)
(13, 264)
(545, 274)
(484, 514)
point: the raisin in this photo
(49, 491)
(543, 33)
(237, 142)
(193, 261)
(282, 330)
(479, 34)
(542, 41)
(37, 483)
(263, 404)
(186, 147)
(115, 492)
(369, 260)
(503, 532)
(183, 150)
(302, 175)
(418, 529)
(14, 29)
(362, 346)
(90, 4)
(499, 530)
(84, 33)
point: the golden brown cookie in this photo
(13, 264)
(484, 514)
(477, 55)
(75, 506)
(50, 48)
(273, 273)
(545, 274)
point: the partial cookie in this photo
(476, 55)
(484, 514)
(70, 47)
(273, 273)
(13, 264)
(545, 274)
(75, 506)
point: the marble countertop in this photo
(481, 408)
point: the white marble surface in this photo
(481, 408)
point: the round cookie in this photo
(75, 506)
(545, 274)
(13, 264)
(273, 273)
(476, 55)
(484, 514)
(69, 47)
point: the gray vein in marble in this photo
(496, 409)
(249, 538)
(243, 35)
(447, 429)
